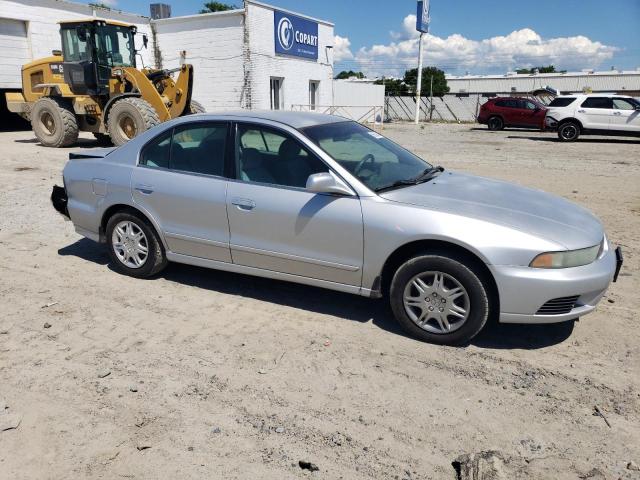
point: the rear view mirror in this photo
(145, 40)
(326, 182)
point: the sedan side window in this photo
(156, 153)
(597, 102)
(268, 156)
(199, 148)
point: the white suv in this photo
(601, 114)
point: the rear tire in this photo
(54, 122)
(495, 123)
(130, 117)
(196, 107)
(134, 246)
(569, 131)
(450, 311)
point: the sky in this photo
(378, 37)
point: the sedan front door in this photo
(276, 224)
(180, 183)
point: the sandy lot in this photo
(204, 374)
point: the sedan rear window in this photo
(562, 101)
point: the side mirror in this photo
(637, 107)
(145, 40)
(326, 182)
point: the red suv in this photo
(502, 112)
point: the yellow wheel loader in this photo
(93, 85)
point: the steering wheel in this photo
(367, 158)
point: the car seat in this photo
(252, 167)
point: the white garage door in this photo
(14, 52)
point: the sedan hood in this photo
(532, 211)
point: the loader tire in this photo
(196, 107)
(54, 122)
(130, 117)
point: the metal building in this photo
(622, 82)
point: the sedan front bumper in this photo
(524, 290)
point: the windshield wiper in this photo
(425, 176)
(428, 174)
(396, 184)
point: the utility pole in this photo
(422, 25)
(419, 85)
(431, 100)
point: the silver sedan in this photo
(323, 201)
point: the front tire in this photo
(54, 122)
(569, 131)
(130, 117)
(134, 246)
(439, 299)
(495, 123)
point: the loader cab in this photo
(91, 49)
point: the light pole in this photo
(419, 84)
(422, 25)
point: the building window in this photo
(277, 99)
(314, 87)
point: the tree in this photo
(100, 5)
(217, 7)
(344, 75)
(439, 81)
(393, 86)
(541, 69)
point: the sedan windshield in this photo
(375, 160)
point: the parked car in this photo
(498, 113)
(323, 201)
(596, 114)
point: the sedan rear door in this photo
(180, 182)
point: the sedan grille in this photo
(558, 306)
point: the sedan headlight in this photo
(569, 258)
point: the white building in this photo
(627, 81)
(257, 57)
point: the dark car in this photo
(501, 112)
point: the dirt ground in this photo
(204, 374)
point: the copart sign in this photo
(295, 36)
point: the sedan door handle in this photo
(617, 113)
(581, 111)
(243, 203)
(146, 189)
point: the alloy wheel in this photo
(130, 244)
(436, 302)
(569, 131)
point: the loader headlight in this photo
(569, 258)
(117, 72)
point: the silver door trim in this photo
(189, 238)
(259, 272)
(297, 258)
